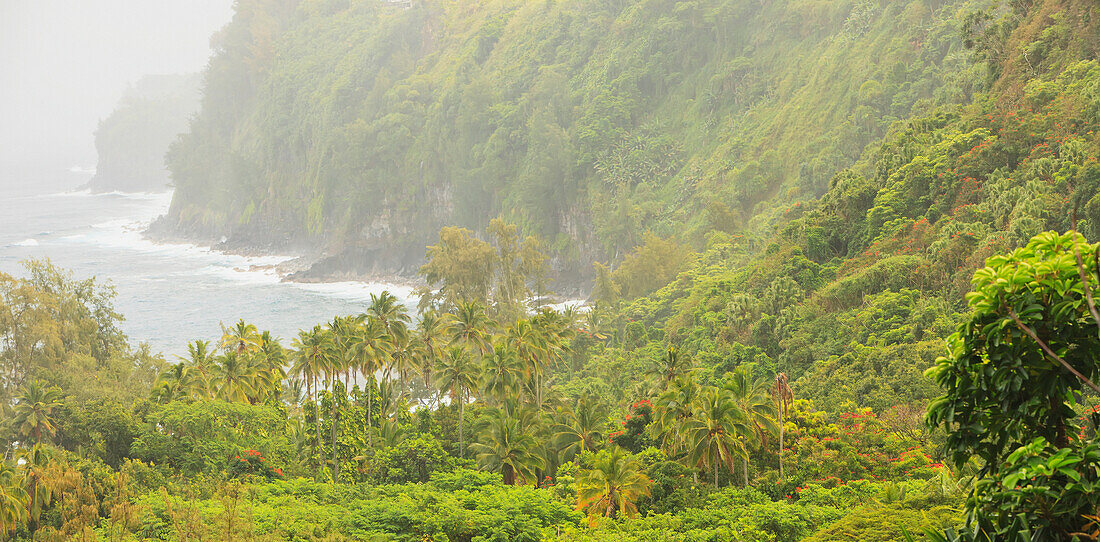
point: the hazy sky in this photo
(65, 63)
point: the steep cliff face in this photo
(356, 127)
(133, 140)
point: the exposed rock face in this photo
(132, 141)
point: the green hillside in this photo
(132, 141)
(367, 125)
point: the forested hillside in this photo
(133, 140)
(764, 358)
(367, 125)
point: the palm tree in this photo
(432, 333)
(783, 395)
(523, 339)
(36, 460)
(507, 447)
(234, 378)
(501, 372)
(240, 338)
(391, 433)
(312, 350)
(673, 409)
(344, 334)
(457, 374)
(613, 486)
(367, 355)
(171, 384)
(394, 318)
(752, 399)
(13, 499)
(579, 428)
(668, 368)
(713, 435)
(472, 327)
(200, 362)
(267, 364)
(392, 399)
(34, 411)
(333, 367)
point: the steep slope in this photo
(133, 140)
(364, 126)
(853, 293)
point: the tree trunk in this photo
(316, 424)
(461, 416)
(715, 474)
(746, 465)
(370, 399)
(332, 431)
(781, 477)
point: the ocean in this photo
(169, 293)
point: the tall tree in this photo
(530, 345)
(13, 499)
(472, 327)
(506, 446)
(458, 375)
(34, 410)
(433, 332)
(312, 350)
(241, 337)
(613, 486)
(501, 373)
(234, 377)
(713, 434)
(781, 392)
(367, 355)
(579, 429)
(754, 402)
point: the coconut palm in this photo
(334, 366)
(501, 373)
(268, 364)
(579, 428)
(240, 338)
(13, 499)
(673, 409)
(171, 384)
(472, 327)
(200, 363)
(34, 411)
(458, 375)
(36, 462)
(613, 486)
(390, 433)
(432, 333)
(753, 400)
(668, 368)
(391, 313)
(367, 355)
(234, 378)
(344, 334)
(530, 346)
(506, 446)
(713, 436)
(312, 350)
(393, 402)
(781, 392)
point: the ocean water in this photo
(169, 293)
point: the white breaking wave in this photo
(26, 243)
(128, 234)
(357, 291)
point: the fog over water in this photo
(65, 65)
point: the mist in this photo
(66, 64)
